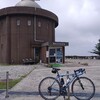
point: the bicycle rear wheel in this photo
(83, 88)
(49, 88)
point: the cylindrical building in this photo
(27, 34)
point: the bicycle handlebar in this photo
(81, 71)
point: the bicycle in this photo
(82, 88)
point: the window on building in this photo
(18, 22)
(39, 24)
(52, 52)
(29, 22)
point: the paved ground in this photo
(16, 71)
(27, 89)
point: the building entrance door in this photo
(59, 55)
(52, 53)
(37, 54)
(56, 55)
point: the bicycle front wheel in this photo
(49, 88)
(83, 88)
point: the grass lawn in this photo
(11, 83)
(55, 65)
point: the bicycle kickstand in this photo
(65, 98)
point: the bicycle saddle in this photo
(55, 70)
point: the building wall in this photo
(43, 54)
(45, 30)
(17, 33)
(21, 38)
(3, 40)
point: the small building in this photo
(27, 34)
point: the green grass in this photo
(55, 65)
(2, 85)
(11, 83)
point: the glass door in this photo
(52, 55)
(56, 55)
(59, 55)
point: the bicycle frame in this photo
(59, 87)
(70, 77)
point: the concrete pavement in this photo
(27, 89)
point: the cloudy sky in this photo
(79, 22)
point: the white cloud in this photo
(80, 26)
(7, 3)
(79, 22)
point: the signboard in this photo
(47, 54)
(61, 43)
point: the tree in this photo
(97, 49)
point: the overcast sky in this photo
(79, 22)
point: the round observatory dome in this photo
(28, 3)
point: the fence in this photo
(4, 78)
